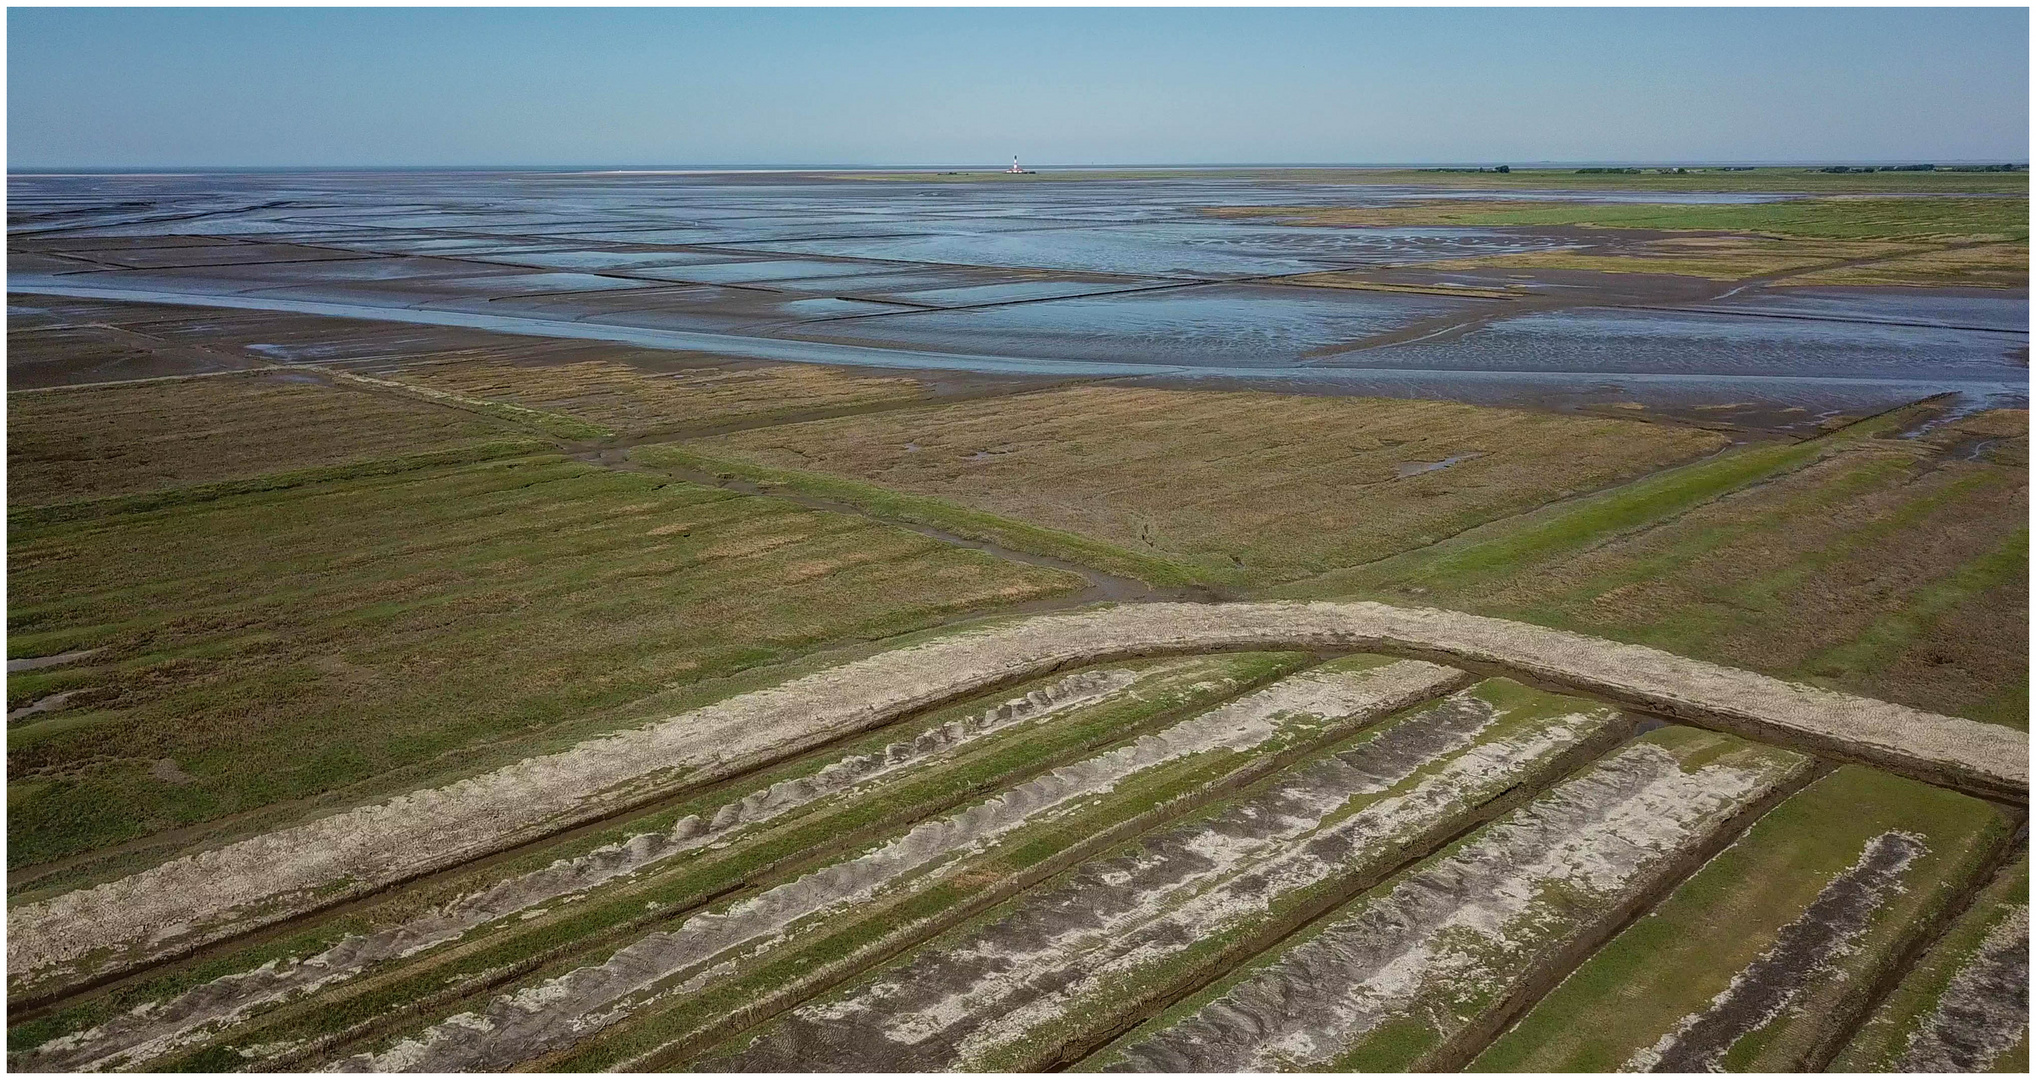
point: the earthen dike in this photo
(83, 938)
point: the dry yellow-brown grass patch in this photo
(69, 444)
(2000, 436)
(631, 399)
(1266, 485)
(1988, 266)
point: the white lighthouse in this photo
(1014, 164)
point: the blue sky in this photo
(721, 87)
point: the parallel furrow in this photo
(715, 965)
(1423, 967)
(674, 859)
(1057, 970)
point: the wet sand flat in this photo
(829, 238)
(645, 621)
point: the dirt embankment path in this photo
(166, 910)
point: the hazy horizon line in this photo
(748, 167)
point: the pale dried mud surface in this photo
(1985, 1010)
(1401, 973)
(157, 1028)
(707, 946)
(1086, 952)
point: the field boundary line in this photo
(152, 380)
(143, 502)
(907, 509)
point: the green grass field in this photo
(74, 445)
(275, 641)
(1859, 560)
(630, 400)
(1792, 180)
(1673, 962)
(1997, 218)
(271, 594)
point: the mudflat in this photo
(1108, 620)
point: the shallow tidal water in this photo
(1096, 278)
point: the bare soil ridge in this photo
(518, 1025)
(213, 895)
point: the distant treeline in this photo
(1921, 168)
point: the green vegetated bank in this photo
(1881, 565)
(1417, 973)
(368, 967)
(1767, 957)
(1972, 236)
(1764, 179)
(1987, 218)
(737, 962)
(368, 633)
(1965, 1005)
(1485, 557)
(1995, 218)
(1048, 976)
